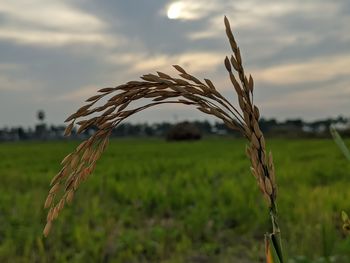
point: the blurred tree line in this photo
(292, 128)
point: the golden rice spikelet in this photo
(47, 228)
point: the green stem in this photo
(276, 233)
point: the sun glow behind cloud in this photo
(174, 10)
(189, 9)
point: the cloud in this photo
(51, 23)
(323, 102)
(316, 70)
(52, 14)
(54, 39)
(271, 18)
(8, 67)
(13, 84)
(311, 99)
(10, 82)
(195, 62)
(78, 95)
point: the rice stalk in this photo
(112, 105)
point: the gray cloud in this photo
(56, 53)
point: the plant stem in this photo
(276, 233)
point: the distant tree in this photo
(148, 130)
(267, 125)
(204, 126)
(296, 122)
(184, 131)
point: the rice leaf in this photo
(340, 142)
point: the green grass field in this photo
(153, 201)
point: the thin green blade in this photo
(339, 141)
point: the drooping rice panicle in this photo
(112, 105)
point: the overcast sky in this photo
(54, 54)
